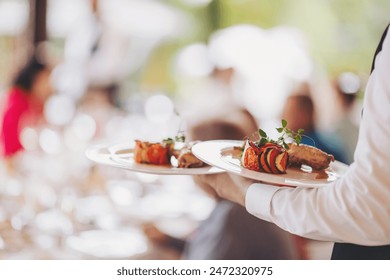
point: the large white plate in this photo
(224, 155)
(121, 156)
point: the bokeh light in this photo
(137, 69)
(159, 108)
(349, 83)
(59, 110)
(108, 244)
(50, 141)
(84, 127)
(29, 138)
(13, 17)
(53, 221)
(193, 61)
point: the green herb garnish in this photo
(286, 134)
(168, 141)
(178, 138)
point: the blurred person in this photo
(109, 45)
(299, 112)
(24, 104)
(269, 62)
(215, 89)
(352, 211)
(94, 56)
(346, 128)
(229, 232)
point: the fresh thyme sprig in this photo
(285, 132)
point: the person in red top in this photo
(23, 104)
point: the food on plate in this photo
(162, 153)
(152, 153)
(275, 156)
(269, 158)
(186, 158)
(304, 154)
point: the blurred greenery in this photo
(342, 34)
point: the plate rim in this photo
(110, 159)
(216, 160)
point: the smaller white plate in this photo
(225, 154)
(121, 156)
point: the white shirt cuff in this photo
(258, 200)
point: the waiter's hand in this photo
(227, 186)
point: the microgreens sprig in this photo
(180, 137)
(285, 132)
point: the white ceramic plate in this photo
(224, 155)
(121, 156)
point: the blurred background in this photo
(121, 70)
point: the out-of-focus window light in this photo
(193, 61)
(13, 16)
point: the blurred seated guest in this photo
(24, 104)
(299, 113)
(230, 232)
(346, 129)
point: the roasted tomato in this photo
(250, 157)
(269, 158)
(157, 154)
(152, 153)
